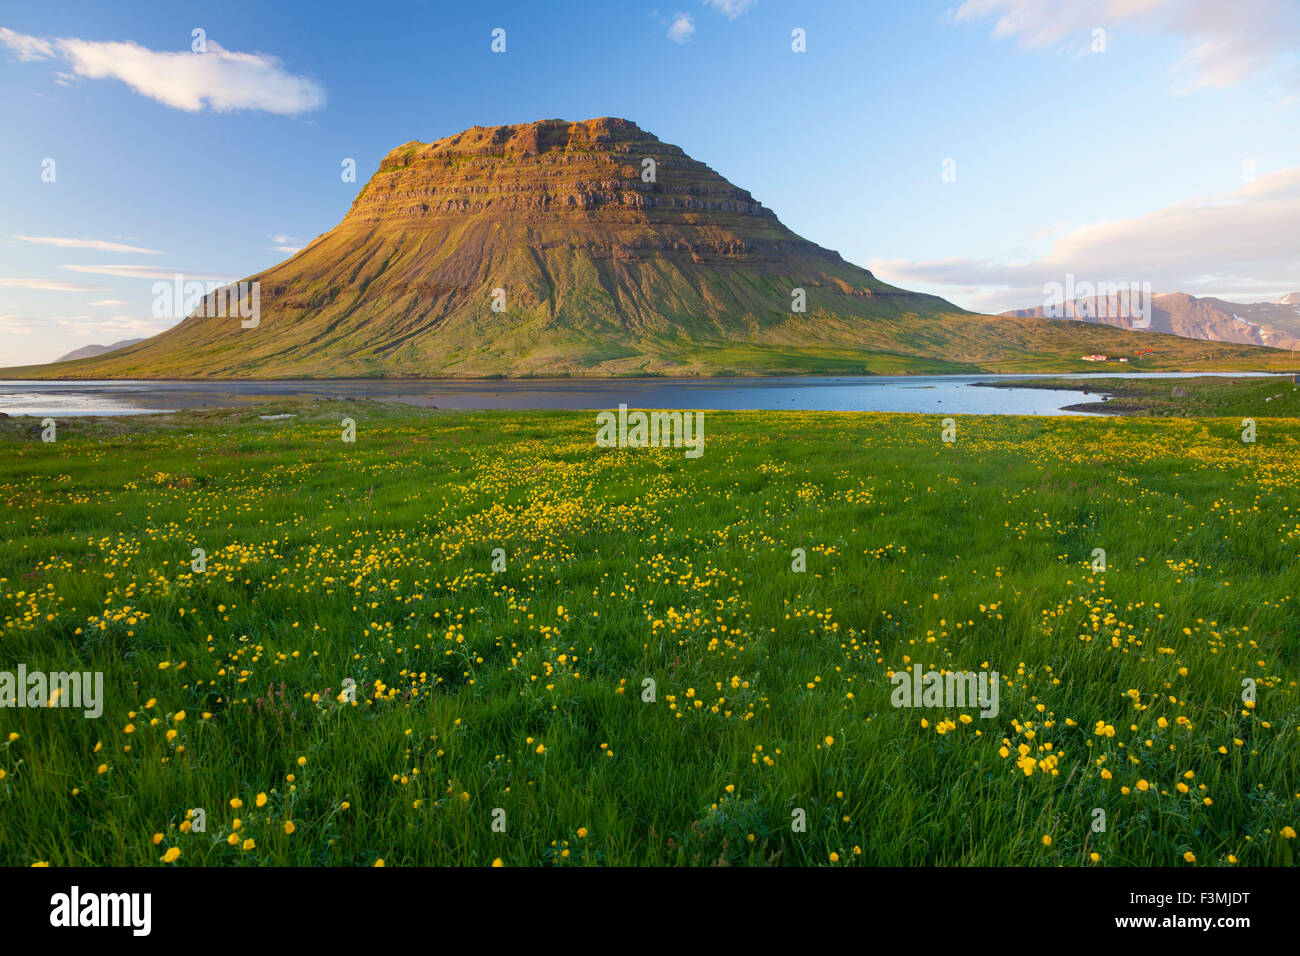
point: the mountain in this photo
(89, 351)
(1275, 324)
(1282, 315)
(572, 248)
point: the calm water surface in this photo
(949, 394)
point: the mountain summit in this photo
(561, 247)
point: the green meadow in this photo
(468, 638)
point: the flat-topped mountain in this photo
(588, 247)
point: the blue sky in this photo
(1171, 156)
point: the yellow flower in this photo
(541, 748)
(582, 833)
(236, 803)
(261, 800)
(102, 768)
(345, 805)
(1189, 856)
(157, 838)
(302, 761)
(829, 740)
(1288, 833)
(1047, 839)
(497, 862)
(1094, 856)
(289, 827)
(180, 715)
(172, 855)
(835, 857)
(731, 788)
(379, 862)
(249, 844)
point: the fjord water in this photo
(930, 394)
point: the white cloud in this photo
(1226, 42)
(50, 285)
(731, 8)
(147, 272)
(15, 325)
(1239, 244)
(129, 326)
(108, 302)
(286, 244)
(682, 28)
(220, 79)
(26, 48)
(97, 244)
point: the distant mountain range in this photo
(589, 248)
(89, 351)
(1275, 324)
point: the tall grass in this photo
(523, 690)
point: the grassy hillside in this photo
(521, 690)
(901, 345)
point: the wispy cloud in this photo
(289, 245)
(682, 28)
(50, 285)
(97, 244)
(218, 78)
(114, 327)
(15, 325)
(1226, 42)
(108, 302)
(731, 8)
(26, 48)
(1242, 243)
(147, 272)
